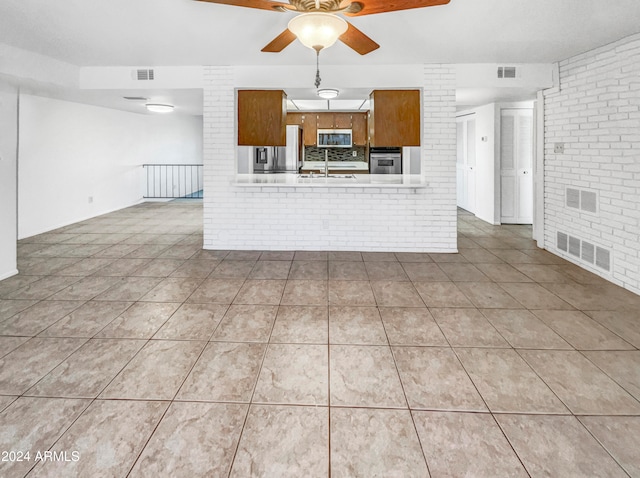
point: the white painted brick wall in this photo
(596, 114)
(340, 219)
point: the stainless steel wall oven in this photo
(385, 160)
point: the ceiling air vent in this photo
(135, 98)
(143, 74)
(506, 72)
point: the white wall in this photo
(123, 77)
(487, 171)
(27, 66)
(595, 114)
(70, 152)
(327, 218)
(8, 150)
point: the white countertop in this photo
(358, 180)
(352, 165)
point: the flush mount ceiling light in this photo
(328, 94)
(159, 107)
(317, 31)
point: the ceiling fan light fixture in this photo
(328, 93)
(159, 108)
(317, 30)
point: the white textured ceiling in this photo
(188, 32)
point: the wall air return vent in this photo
(588, 201)
(563, 241)
(588, 252)
(603, 258)
(584, 251)
(581, 199)
(507, 72)
(574, 246)
(573, 198)
(143, 74)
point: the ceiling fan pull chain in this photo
(317, 68)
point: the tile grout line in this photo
(409, 409)
(479, 394)
(253, 391)
(328, 378)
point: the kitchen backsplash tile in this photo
(311, 153)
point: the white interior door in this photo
(466, 162)
(460, 170)
(516, 157)
(471, 164)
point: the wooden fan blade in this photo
(357, 40)
(261, 4)
(280, 42)
(370, 7)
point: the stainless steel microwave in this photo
(335, 138)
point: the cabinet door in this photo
(359, 126)
(310, 120)
(294, 119)
(397, 118)
(325, 121)
(262, 118)
(342, 120)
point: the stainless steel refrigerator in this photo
(280, 159)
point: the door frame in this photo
(538, 170)
(464, 119)
(516, 176)
(498, 155)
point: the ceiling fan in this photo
(318, 26)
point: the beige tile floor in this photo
(124, 342)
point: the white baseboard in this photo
(6, 275)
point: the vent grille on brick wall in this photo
(584, 251)
(581, 199)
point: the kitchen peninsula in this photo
(332, 180)
(412, 213)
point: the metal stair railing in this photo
(173, 181)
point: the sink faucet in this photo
(326, 163)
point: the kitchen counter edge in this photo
(414, 181)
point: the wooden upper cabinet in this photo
(359, 129)
(262, 118)
(310, 128)
(294, 118)
(325, 120)
(394, 118)
(334, 120)
(342, 120)
(312, 121)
